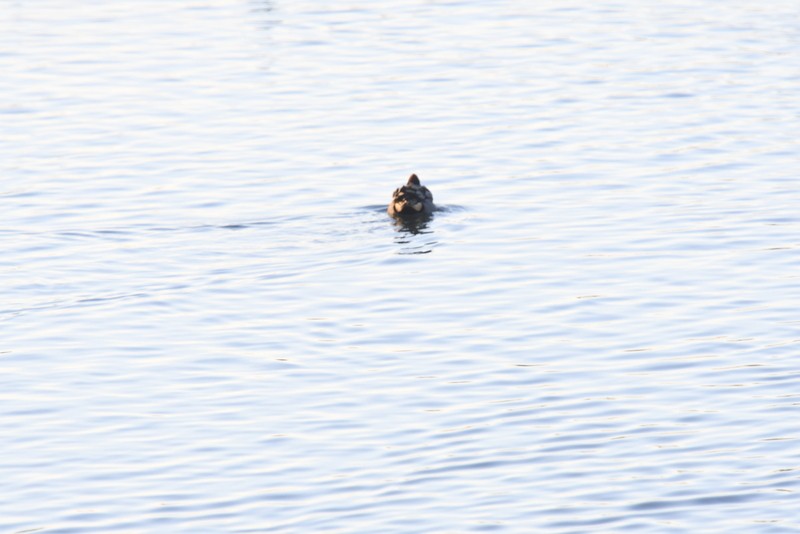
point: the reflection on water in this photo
(414, 234)
(414, 225)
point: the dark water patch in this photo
(698, 501)
(678, 95)
(106, 299)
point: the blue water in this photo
(209, 324)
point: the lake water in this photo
(209, 324)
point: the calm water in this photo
(209, 324)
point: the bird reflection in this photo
(410, 235)
(415, 226)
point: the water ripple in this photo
(210, 324)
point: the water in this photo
(209, 324)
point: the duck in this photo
(411, 200)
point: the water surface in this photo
(209, 324)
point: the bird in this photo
(411, 200)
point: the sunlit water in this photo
(209, 324)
